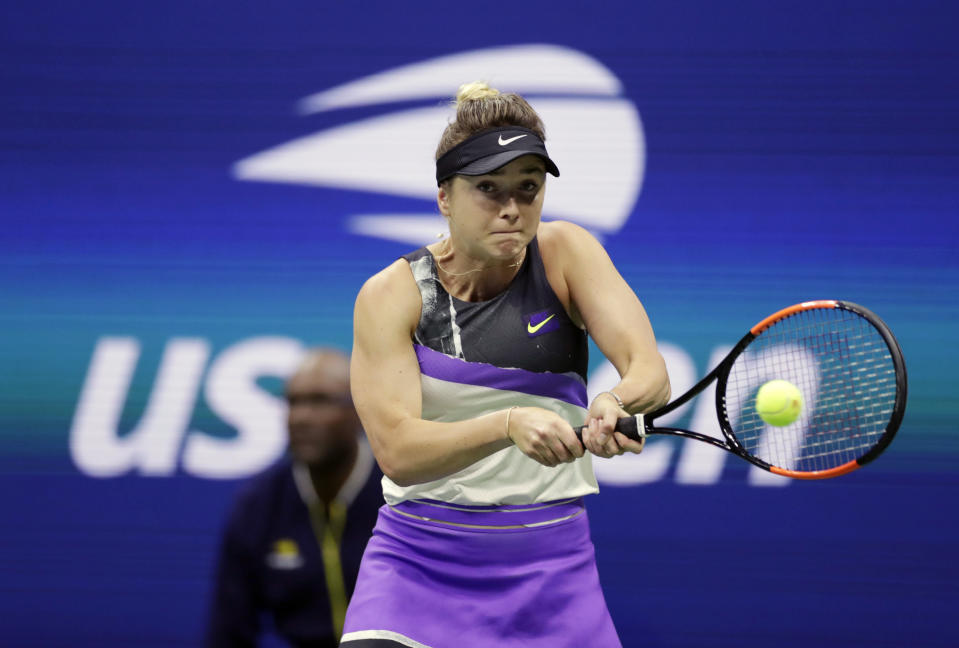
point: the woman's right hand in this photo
(543, 436)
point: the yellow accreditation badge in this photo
(285, 555)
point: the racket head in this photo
(851, 373)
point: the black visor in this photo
(490, 150)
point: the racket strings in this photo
(845, 372)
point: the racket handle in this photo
(634, 427)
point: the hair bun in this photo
(480, 107)
(475, 91)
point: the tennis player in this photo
(469, 367)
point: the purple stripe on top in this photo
(443, 367)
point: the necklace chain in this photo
(469, 272)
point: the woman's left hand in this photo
(600, 436)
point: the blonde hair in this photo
(480, 107)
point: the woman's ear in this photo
(443, 199)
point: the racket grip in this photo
(634, 427)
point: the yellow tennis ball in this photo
(779, 402)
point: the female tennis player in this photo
(469, 367)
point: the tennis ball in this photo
(779, 402)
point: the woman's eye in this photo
(486, 187)
(530, 189)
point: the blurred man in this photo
(293, 541)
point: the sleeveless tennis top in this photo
(519, 348)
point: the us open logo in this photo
(594, 132)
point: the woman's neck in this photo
(471, 279)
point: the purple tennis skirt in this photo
(438, 575)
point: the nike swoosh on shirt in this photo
(504, 142)
(532, 329)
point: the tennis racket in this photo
(849, 369)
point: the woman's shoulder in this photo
(392, 290)
(391, 279)
(561, 234)
(561, 241)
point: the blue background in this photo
(795, 150)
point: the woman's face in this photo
(494, 216)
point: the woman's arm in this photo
(385, 382)
(617, 322)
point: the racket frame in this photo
(640, 425)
